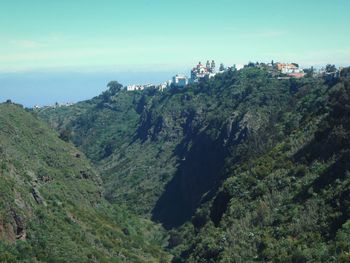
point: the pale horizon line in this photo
(152, 67)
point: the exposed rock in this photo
(85, 174)
(20, 230)
(126, 231)
(37, 196)
(46, 178)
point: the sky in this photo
(61, 46)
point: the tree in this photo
(330, 68)
(65, 135)
(251, 64)
(309, 72)
(114, 87)
(222, 67)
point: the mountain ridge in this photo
(226, 164)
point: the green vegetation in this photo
(240, 168)
(144, 142)
(290, 204)
(51, 209)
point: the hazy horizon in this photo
(38, 88)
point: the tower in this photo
(207, 65)
(212, 66)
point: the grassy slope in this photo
(106, 130)
(51, 207)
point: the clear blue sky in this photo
(102, 36)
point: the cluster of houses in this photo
(328, 73)
(160, 87)
(199, 72)
(54, 106)
(280, 70)
(290, 70)
(208, 70)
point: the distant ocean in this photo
(46, 88)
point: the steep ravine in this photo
(240, 168)
(162, 153)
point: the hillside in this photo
(243, 167)
(172, 146)
(289, 204)
(51, 204)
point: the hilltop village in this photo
(278, 70)
(209, 70)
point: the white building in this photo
(163, 85)
(180, 81)
(134, 87)
(139, 87)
